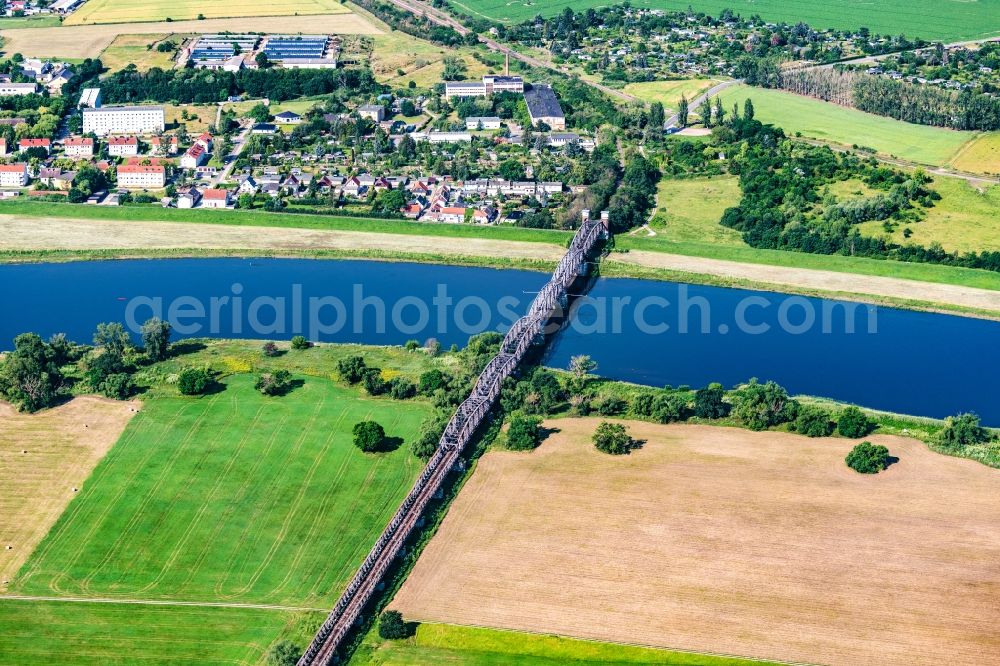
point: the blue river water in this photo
(643, 331)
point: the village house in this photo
(215, 198)
(288, 118)
(79, 146)
(194, 157)
(188, 198)
(57, 178)
(163, 145)
(205, 141)
(26, 144)
(123, 146)
(374, 112)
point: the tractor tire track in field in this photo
(209, 540)
(286, 524)
(155, 492)
(158, 602)
(277, 481)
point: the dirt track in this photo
(29, 233)
(819, 280)
(724, 540)
(63, 445)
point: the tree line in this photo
(910, 102)
(203, 86)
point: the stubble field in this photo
(724, 540)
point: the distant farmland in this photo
(139, 11)
(948, 20)
(723, 540)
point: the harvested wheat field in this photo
(88, 41)
(43, 457)
(724, 540)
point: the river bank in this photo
(35, 239)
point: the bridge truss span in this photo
(470, 415)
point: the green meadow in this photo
(837, 124)
(476, 646)
(96, 634)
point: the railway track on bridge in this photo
(551, 299)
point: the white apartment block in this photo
(7, 89)
(13, 175)
(138, 175)
(491, 83)
(123, 120)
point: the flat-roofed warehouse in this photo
(217, 49)
(543, 106)
(301, 51)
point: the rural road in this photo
(155, 602)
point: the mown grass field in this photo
(690, 210)
(950, 20)
(966, 219)
(128, 50)
(828, 122)
(96, 634)
(669, 93)
(436, 644)
(232, 497)
(982, 155)
(141, 11)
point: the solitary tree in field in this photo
(156, 338)
(612, 438)
(748, 109)
(391, 626)
(194, 381)
(368, 436)
(868, 458)
(682, 111)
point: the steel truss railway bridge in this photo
(553, 298)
